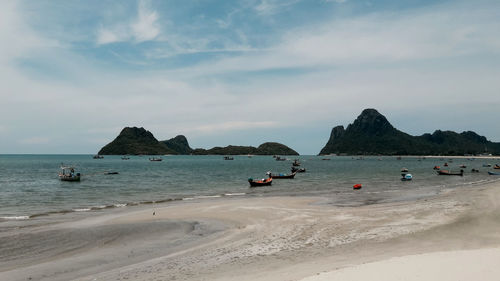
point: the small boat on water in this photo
(298, 170)
(125, 158)
(228, 158)
(326, 159)
(493, 173)
(437, 168)
(280, 159)
(450, 173)
(155, 159)
(68, 174)
(496, 166)
(357, 186)
(296, 163)
(463, 166)
(486, 165)
(474, 170)
(262, 182)
(404, 170)
(281, 176)
(406, 177)
(97, 156)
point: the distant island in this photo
(136, 141)
(372, 134)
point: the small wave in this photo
(15, 218)
(235, 194)
(207, 196)
(188, 198)
(82, 210)
(120, 205)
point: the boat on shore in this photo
(68, 174)
(281, 176)
(450, 173)
(262, 182)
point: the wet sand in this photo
(271, 238)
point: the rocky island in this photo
(134, 141)
(372, 134)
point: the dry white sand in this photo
(480, 264)
(280, 238)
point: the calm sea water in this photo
(29, 185)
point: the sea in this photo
(30, 188)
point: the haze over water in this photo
(29, 185)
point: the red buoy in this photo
(357, 186)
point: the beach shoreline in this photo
(256, 238)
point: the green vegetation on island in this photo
(372, 134)
(268, 148)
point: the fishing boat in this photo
(357, 186)
(262, 182)
(486, 165)
(463, 166)
(404, 170)
(493, 173)
(125, 158)
(97, 156)
(437, 168)
(496, 166)
(298, 170)
(68, 174)
(228, 158)
(296, 163)
(155, 159)
(281, 176)
(450, 173)
(280, 159)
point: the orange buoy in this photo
(357, 186)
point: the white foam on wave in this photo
(82, 210)
(207, 196)
(188, 198)
(15, 218)
(235, 194)
(120, 205)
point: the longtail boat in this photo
(262, 182)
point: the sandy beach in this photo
(268, 238)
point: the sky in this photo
(74, 73)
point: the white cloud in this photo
(144, 28)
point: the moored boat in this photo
(298, 170)
(281, 176)
(155, 159)
(406, 177)
(496, 166)
(97, 156)
(357, 186)
(262, 182)
(450, 173)
(68, 174)
(493, 173)
(228, 158)
(296, 163)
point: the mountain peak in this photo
(370, 121)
